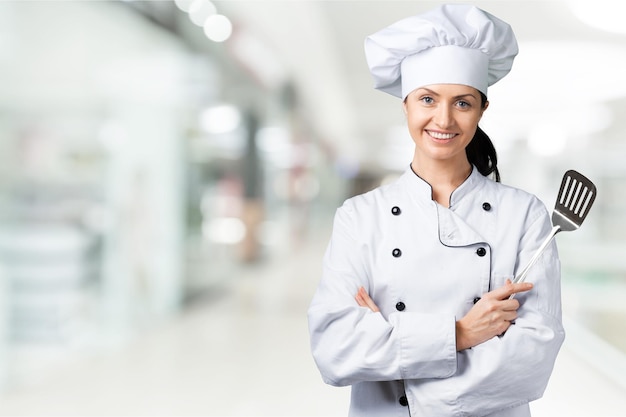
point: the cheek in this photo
(414, 121)
(415, 128)
(470, 124)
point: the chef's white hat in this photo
(452, 44)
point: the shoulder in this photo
(372, 201)
(364, 213)
(516, 200)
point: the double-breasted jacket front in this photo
(424, 265)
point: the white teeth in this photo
(438, 135)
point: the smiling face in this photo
(442, 120)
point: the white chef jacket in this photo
(424, 265)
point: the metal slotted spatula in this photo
(575, 198)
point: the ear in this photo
(404, 108)
(482, 111)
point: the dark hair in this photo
(481, 152)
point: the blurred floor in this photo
(242, 350)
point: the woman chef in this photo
(414, 308)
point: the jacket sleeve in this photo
(514, 368)
(352, 344)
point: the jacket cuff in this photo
(427, 344)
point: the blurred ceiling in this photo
(568, 79)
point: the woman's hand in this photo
(491, 315)
(364, 300)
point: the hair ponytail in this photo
(481, 152)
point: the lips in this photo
(440, 135)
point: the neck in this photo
(443, 177)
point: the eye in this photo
(427, 100)
(463, 104)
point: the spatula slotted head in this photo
(574, 201)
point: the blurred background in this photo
(169, 171)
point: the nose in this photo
(443, 117)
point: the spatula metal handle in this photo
(522, 276)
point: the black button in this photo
(477, 299)
(395, 210)
(400, 306)
(486, 206)
(481, 252)
(396, 253)
(403, 401)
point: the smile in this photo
(440, 136)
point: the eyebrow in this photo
(428, 90)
